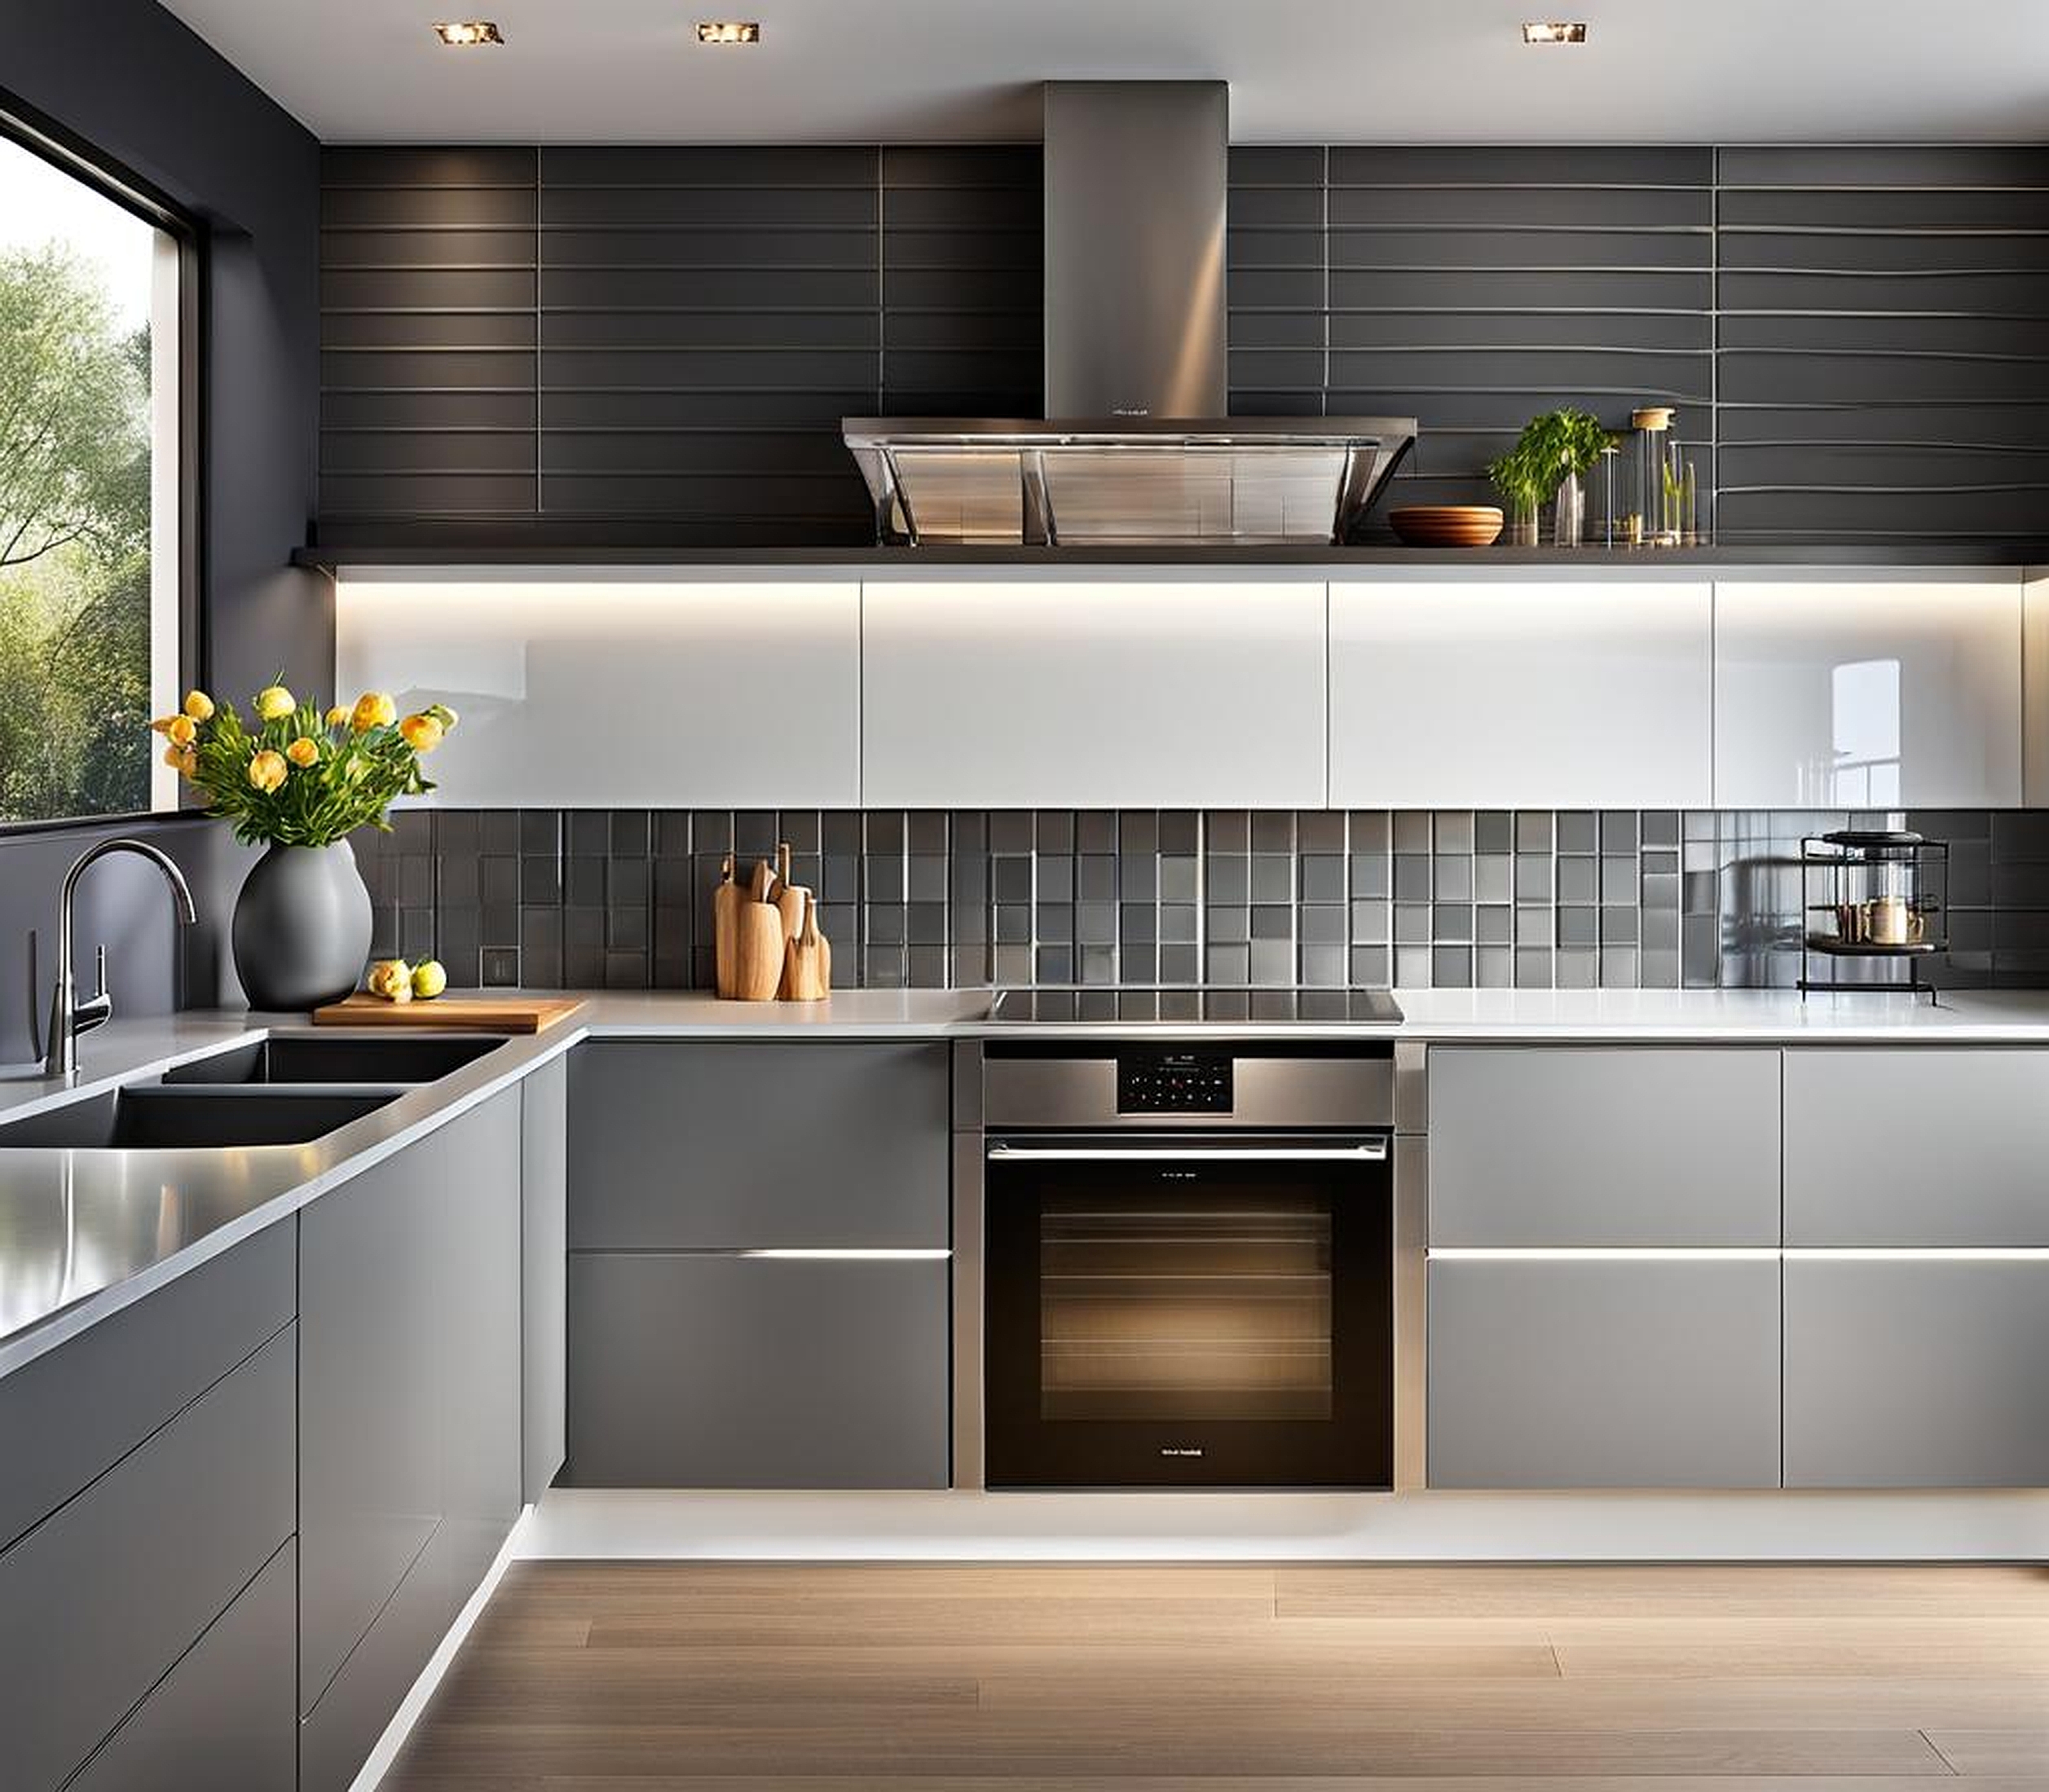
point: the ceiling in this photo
(1693, 71)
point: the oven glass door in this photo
(1178, 1311)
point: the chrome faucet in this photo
(68, 1016)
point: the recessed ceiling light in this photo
(729, 31)
(1553, 31)
(464, 34)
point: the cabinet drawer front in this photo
(225, 1716)
(337, 1736)
(1603, 1146)
(1917, 1374)
(1917, 1147)
(1625, 1373)
(721, 1372)
(101, 1597)
(90, 1401)
(731, 1146)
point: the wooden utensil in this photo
(758, 960)
(789, 898)
(725, 929)
(807, 960)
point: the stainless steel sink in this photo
(154, 1116)
(338, 1057)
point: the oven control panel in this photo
(1174, 1082)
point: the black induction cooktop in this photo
(1196, 1006)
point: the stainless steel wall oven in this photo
(1187, 1265)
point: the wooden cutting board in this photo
(451, 1014)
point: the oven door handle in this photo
(1370, 1151)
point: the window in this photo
(92, 541)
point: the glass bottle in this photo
(1656, 481)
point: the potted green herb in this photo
(1549, 459)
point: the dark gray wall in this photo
(128, 78)
(662, 340)
(659, 342)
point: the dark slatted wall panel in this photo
(427, 333)
(1884, 343)
(707, 317)
(661, 340)
(961, 282)
(658, 343)
(1473, 288)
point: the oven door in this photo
(1179, 1310)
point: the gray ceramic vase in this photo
(302, 932)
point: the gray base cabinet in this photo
(725, 1372)
(1603, 1146)
(410, 1418)
(1917, 1374)
(1624, 1373)
(754, 1144)
(545, 1274)
(225, 1716)
(694, 1362)
(99, 1600)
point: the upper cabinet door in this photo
(628, 694)
(1857, 694)
(1032, 695)
(1521, 694)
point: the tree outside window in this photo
(88, 553)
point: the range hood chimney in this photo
(1136, 174)
(1135, 448)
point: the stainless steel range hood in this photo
(1135, 448)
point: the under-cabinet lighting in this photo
(1553, 31)
(468, 33)
(828, 1256)
(729, 31)
(1711, 1254)
(1620, 1253)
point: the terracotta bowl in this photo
(1446, 525)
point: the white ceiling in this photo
(1691, 70)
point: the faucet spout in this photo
(68, 1016)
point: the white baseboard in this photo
(395, 1732)
(573, 1523)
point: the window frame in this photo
(27, 128)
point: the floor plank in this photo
(733, 1677)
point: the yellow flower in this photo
(163, 723)
(422, 732)
(182, 730)
(267, 770)
(274, 702)
(182, 759)
(302, 752)
(199, 705)
(337, 716)
(373, 709)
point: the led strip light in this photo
(1630, 1253)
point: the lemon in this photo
(429, 978)
(392, 979)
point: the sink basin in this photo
(338, 1057)
(152, 1116)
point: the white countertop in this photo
(84, 1233)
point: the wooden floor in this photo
(680, 1677)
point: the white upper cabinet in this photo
(1868, 693)
(628, 693)
(1093, 693)
(1521, 694)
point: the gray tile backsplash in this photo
(1570, 899)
